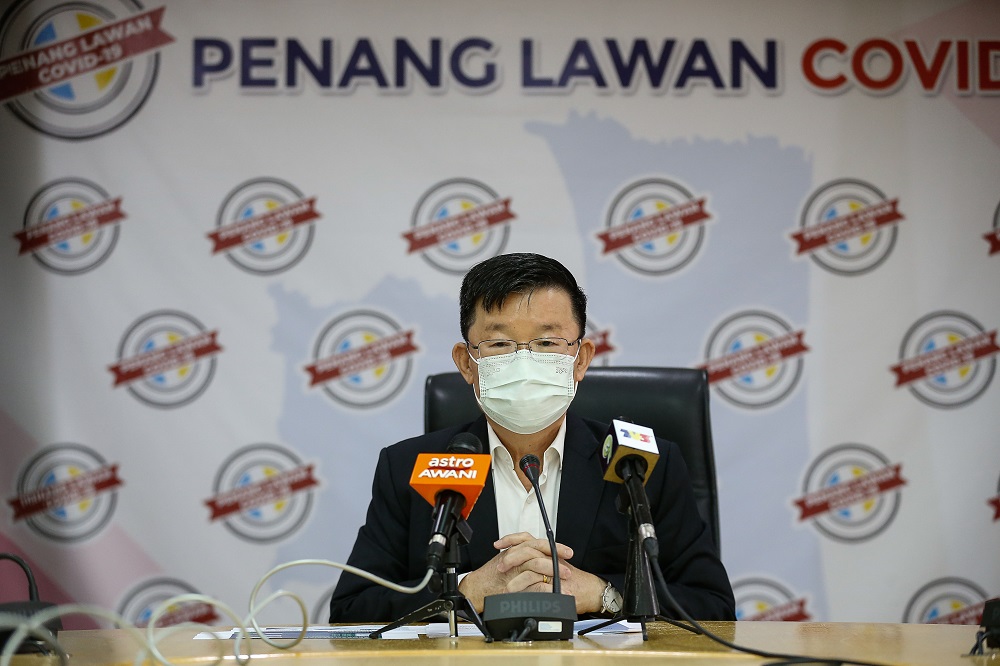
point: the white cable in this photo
(252, 618)
(152, 639)
(34, 626)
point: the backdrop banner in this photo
(235, 234)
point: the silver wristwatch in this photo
(611, 600)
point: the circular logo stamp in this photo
(654, 227)
(79, 69)
(754, 359)
(66, 492)
(147, 598)
(70, 226)
(848, 227)
(458, 223)
(264, 226)
(947, 359)
(362, 359)
(262, 493)
(851, 493)
(766, 600)
(946, 601)
(166, 359)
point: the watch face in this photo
(611, 599)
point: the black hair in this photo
(490, 282)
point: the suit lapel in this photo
(483, 519)
(580, 489)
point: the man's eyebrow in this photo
(502, 329)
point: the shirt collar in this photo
(552, 457)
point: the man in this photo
(522, 318)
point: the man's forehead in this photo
(549, 309)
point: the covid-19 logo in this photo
(362, 359)
(946, 601)
(70, 226)
(947, 359)
(262, 493)
(153, 598)
(654, 227)
(264, 226)
(66, 492)
(78, 69)
(458, 223)
(754, 359)
(166, 359)
(766, 600)
(851, 493)
(848, 227)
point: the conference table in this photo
(895, 644)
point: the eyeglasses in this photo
(537, 346)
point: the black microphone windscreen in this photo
(465, 442)
(529, 460)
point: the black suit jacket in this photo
(393, 541)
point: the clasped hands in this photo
(523, 564)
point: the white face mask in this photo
(526, 392)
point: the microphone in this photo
(532, 616)
(629, 452)
(530, 464)
(451, 483)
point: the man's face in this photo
(546, 313)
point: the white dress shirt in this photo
(517, 509)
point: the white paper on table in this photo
(621, 627)
(433, 630)
(287, 633)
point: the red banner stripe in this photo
(768, 353)
(76, 489)
(791, 611)
(993, 238)
(171, 357)
(464, 224)
(363, 358)
(74, 224)
(665, 222)
(265, 225)
(853, 224)
(272, 489)
(995, 503)
(940, 360)
(856, 490)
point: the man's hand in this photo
(520, 565)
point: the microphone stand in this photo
(639, 600)
(450, 600)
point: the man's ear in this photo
(583, 359)
(460, 355)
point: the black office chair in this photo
(671, 401)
